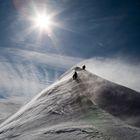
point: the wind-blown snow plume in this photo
(118, 70)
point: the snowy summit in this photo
(86, 108)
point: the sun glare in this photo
(42, 21)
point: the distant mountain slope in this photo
(77, 109)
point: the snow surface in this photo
(81, 109)
(8, 107)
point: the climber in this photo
(83, 67)
(75, 75)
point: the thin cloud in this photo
(52, 59)
(25, 73)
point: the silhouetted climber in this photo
(75, 75)
(83, 67)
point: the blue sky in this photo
(93, 28)
(88, 29)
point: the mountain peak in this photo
(75, 107)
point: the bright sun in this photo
(42, 21)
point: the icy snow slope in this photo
(76, 110)
(8, 107)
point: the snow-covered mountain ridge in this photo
(77, 109)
